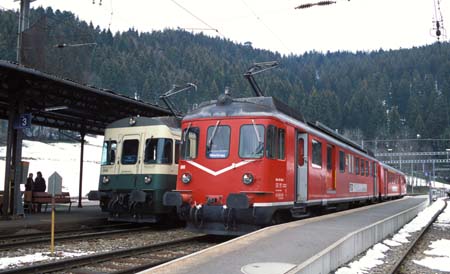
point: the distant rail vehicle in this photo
(139, 164)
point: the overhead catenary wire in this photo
(266, 26)
(198, 18)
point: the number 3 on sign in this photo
(23, 121)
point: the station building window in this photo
(189, 143)
(218, 142)
(316, 154)
(341, 161)
(158, 151)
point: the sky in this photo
(356, 25)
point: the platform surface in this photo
(286, 244)
(89, 214)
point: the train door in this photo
(375, 175)
(302, 167)
(130, 157)
(331, 168)
(385, 183)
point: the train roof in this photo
(261, 106)
(169, 121)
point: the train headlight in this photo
(148, 179)
(105, 179)
(247, 178)
(186, 178)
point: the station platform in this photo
(282, 248)
(89, 214)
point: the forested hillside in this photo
(382, 94)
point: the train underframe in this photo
(135, 206)
(238, 217)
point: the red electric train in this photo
(251, 162)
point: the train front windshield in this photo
(109, 153)
(158, 151)
(251, 141)
(218, 142)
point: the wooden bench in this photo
(33, 198)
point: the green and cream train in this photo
(139, 164)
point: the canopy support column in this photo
(83, 134)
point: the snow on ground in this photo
(63, 158)
(373, 257)
(438, 257)
(37, 257)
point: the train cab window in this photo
(329, 157)
(130, 152)
(367, 168)
(177, 151)
(251, 141)
(189, 143)
(357, 166)
(109, 153)
(271, 143)
(158, 151)
(218, 142)
(341, 161)
(281, 143)
(316, 154)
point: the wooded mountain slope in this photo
(381, 94)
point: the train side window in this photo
(271, 143)
(367, 168)
(350, 163)
(316, 154)
(109, 153)
(329, 157)
(251, 141)
(218, 142)
(357, 166)
(158, 151)
(189, 143)
(301, 151)
(341, 161)
(281, 143)
(362, 167)
(130, 152)
(374, 169)
(177, 150)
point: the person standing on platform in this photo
(30, 182)
(39, 186)
(39, 183)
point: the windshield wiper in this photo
(260, 142)
(186, 132)
(208, 145)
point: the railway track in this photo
(13, 241)
(397, 268)
(122, 261)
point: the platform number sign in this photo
(23, 121)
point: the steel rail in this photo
(66, 264)
(45, 233)
(46, 238)
(397, 265)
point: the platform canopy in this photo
(64, 104)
